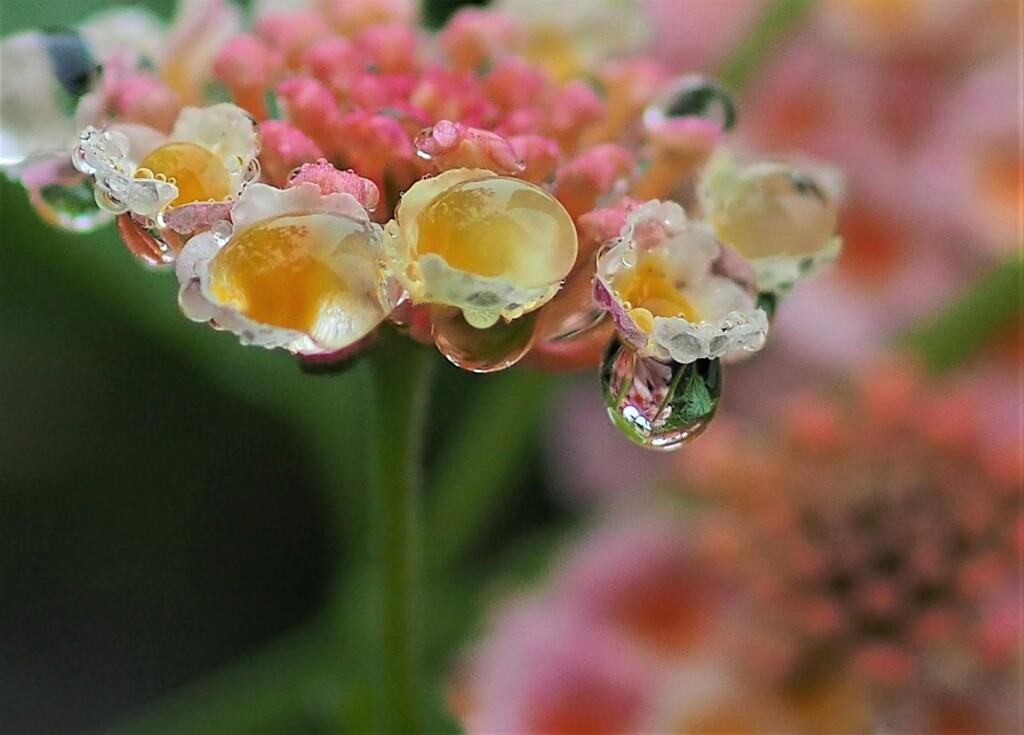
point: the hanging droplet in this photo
(659, 405)
(692, 95)
(144, 243)
(482, 350)
(69, 204)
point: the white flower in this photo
(674, 292)
(299, 270)
(209, 156)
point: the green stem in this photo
(467, 489)
(776, 21)
(963, 327)
(400, 379)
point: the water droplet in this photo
(767, 302)
(778, 210)
(72, 62)
(221, 231)
(659, 405)
(482, 350)
(252, 171)
(692, 95)
(143, 242)
(68, 204)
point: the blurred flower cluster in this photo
(918, 103)
(504, 188)
(852, 566)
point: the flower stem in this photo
(400, 377)
(777, 20)
(960, 330)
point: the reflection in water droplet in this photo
(144, 243)
(692, 95)
(69, 204)
(659, 405)
(768, 302)
(482, 350)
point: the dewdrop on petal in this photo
(492, 246)
(773, 214)
(296, 269)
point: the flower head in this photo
(880, 536)
(487, 167)
(666, 283)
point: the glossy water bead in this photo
(299, 272)
(656, 404)
(196, 171)
(499, 227)
(767, 208)
(492, 246)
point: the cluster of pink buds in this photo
(497, 188)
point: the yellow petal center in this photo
(553, 50)
(285, 271)
(650, 291)
(195, 170)
(500, 227)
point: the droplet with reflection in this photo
(482, 350)
(692, 95)
(656, 404)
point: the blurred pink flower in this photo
(879, 535)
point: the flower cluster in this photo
(500, 189)
(881, 536)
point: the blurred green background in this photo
(170, 501)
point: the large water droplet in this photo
(482, 350)
(659, 405)
(779, 211)
(69, 204)
(692, 95)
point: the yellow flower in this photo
(775, 215)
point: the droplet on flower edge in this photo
(482, 350)
(693, 96)
(656, 404)
(69, 205)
